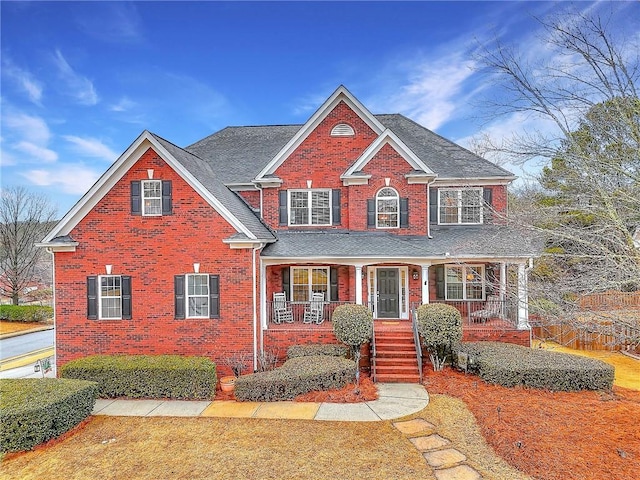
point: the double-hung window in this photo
(109, 297)
(387, 208)
(309, 280)
(464, 282)
(197, 295)
(151, 197)
(309, 207)
(460, 205)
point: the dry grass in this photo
(13, 327)
(205, 448)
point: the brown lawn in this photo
(12, 327)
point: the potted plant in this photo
(237, 363)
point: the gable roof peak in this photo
(341, 94)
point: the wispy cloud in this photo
(26, 138)
(112, 22)
(123, 105)
(72, 178)
(91, 147)
(23, 79)
(75, 85)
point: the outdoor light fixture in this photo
(364, 273)
(415, 274)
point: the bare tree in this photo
(588, 203)
(25, 218)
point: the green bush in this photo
(440, 328)
(297, 376)
(512, 365)
(146, 376)
(353, 326)
(25, 313)
(333, 350)
(34, 410)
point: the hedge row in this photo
(35, 410)
(146, 376)
(332, 350)
(297, 376)
(25, 313)
(512, 365)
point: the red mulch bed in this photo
(553, 435)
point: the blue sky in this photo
(81, 80)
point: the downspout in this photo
(53, 304)
(255, 306)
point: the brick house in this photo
(183, 250)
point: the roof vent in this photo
(342, 130)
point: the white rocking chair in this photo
(281, 312)
(315, 312)
(492, 309)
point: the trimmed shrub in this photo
(297, 376)
(353, 326)
(146, 376)
(35, 410)
(25, 313)
(332, 350)
(440, 328)
(512, 365)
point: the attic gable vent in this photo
(342, 130)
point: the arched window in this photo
(342, 130)
(387, 208)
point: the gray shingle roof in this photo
(238, 154)
(457, 242)
(203, 172)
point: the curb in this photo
(25, 359)
(25, 332)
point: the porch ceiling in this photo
(482, 241)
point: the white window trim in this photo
(309, 207)
(397, 199)
(464, 283)
(459, 191)
(142, 198)
(100, 297)
(187, 296)
(309, 270)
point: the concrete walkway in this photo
(395, 400)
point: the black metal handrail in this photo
(416, 340)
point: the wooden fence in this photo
(610, 301)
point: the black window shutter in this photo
(126, 297)
(214, 296)
(136, 198)
(433, 205)
(282, 207)
(371, 213)
(404, 212)
(335, 206)
(440, 283)
(487, 195)
(333, 283)
(167, 208)
(286, 282)
(92, 297)
(178, 289)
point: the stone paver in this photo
(444, 458)
(461, 472)
(411, 427)
(431, 442)
(230, 408)
(289, 410)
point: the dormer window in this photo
(342, 130)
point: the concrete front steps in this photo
(396, 360)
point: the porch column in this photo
(358, 284)
(503, 281)
(425, 283)
(263, 296)
(523, 302)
